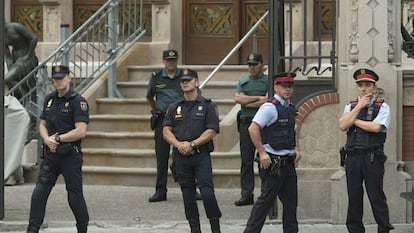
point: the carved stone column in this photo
(369, 37)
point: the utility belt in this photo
(209, 147)
(64, 148)
(279, 162)
(372, 152)
(245, 120)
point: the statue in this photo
(20, 57)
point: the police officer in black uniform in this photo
(163, 90)
(190, 126)
(63, 124)
(366, 122)
(273, 133)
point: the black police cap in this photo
(189, 74)
(169, 54)
(59, 71)
(254, 58)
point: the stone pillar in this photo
(54, 14)
(369, 37)
(161, 30)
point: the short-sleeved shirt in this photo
(61, 113)
(384, 115)
(252, 87)
(267, 115)
(189, 119)
(165, 90)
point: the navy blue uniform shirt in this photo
(61, 113)
(189, 119)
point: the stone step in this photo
(139, 106)
(120, 140)
(98, 175)
(145, 158)
(226, 73)
(213, 89)
(121, 122)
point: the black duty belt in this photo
(361, 151)
(246, 120)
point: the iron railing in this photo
(90, 51)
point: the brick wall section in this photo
(313, 103)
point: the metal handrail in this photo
(236, 47)
(89, 52)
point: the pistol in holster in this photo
(156, 116)
(174, 171)
(238, 120)
(276, 167)
(343, 155)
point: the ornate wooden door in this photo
(212, 28)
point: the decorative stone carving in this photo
(353, 37)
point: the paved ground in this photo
(122, 209)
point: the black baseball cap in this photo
(59, 71)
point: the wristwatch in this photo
(193, 145)
(57, 138)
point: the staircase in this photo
(119, 146)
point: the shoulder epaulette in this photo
(272, 100)
(379, 102)
(155, 73)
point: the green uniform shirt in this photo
(252, 87)
(165, 90)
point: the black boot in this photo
(194, 225)
(215, 225)
(82, 229)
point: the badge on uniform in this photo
(178, 112)
(49, 104)
(84, 106)
(200, 112)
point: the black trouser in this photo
(284, 186)
(52, 165)
(189, 169)
(247, 153)
(362, 167)
(162, 152)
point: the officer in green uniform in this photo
(251, 92)
(163, 89)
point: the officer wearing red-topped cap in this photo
(366, 122)
(273, 133)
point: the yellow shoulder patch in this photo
(83, 106)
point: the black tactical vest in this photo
(281, 134)
(357, 138)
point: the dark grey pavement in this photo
(125, 209)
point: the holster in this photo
(156, 116)
(343, 155)
(64, 149)
(238, 121)
(174, 171)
